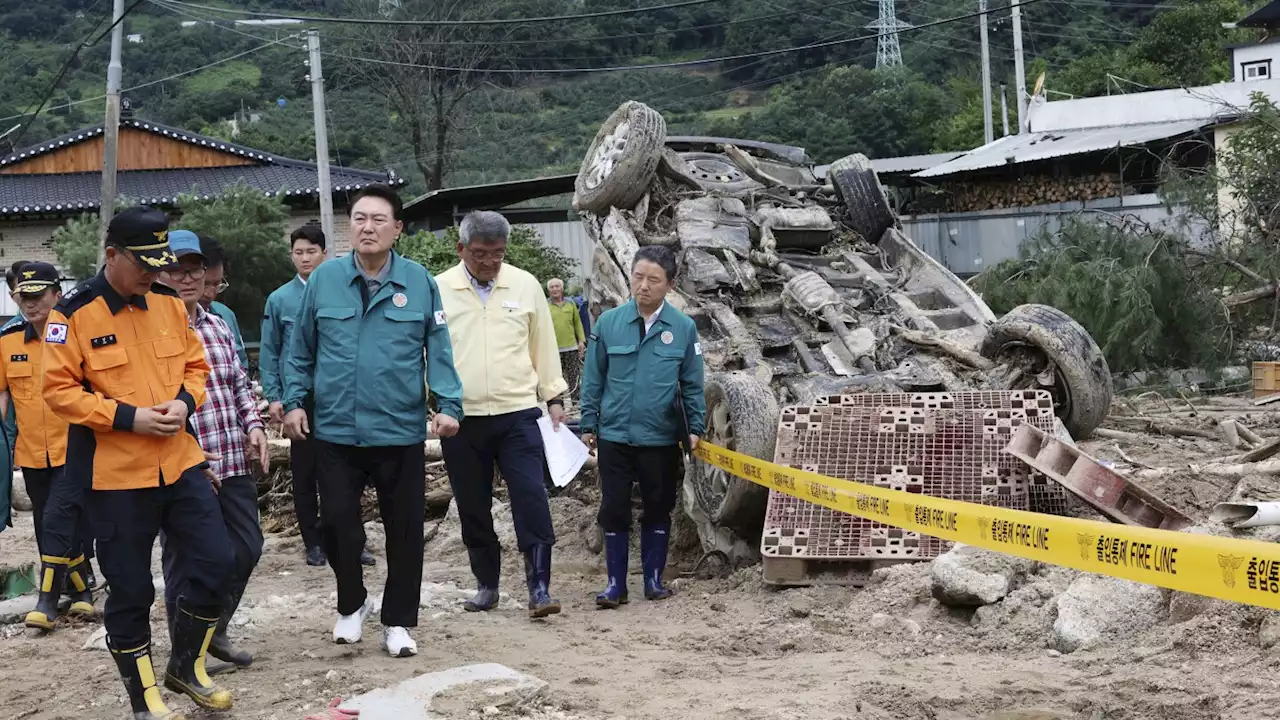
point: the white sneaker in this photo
(349, 628)
(398, 643)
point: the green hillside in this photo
(524, 121)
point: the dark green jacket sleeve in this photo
(300, 361)
(10, 441)
(442, 374)
(270, 351)
(594, 371)
(691, 385)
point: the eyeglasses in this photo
(486, 255)
(193, 273)
(222, 287)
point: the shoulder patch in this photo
(697, 348)
(593, 337)
(439, 317)
(56, 333)
(162, 289)
(13, 327)
(76, 298)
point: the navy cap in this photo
(36, 277)
(184, 243)
(143, 231)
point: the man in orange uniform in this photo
(42, 449)
(126, 370)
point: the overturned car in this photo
(803, 286)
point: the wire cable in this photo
(448, 23)
(148, 84)
(53, 86)
(682, 63)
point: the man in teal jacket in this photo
(306, 251)
(641, 398)
(358, 349)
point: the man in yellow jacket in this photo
(504, 346)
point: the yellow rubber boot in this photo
(53, 573)
(186, 673)
(140, 681)
(81, 593)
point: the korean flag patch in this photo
(697, 348)
(56, 333)
(439, 317)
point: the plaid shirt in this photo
(224, 421)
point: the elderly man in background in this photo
(506, 352)
(570, 336)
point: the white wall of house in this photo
(1254, 63)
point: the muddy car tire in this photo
(715, 172)
(621, 160)
(742, 415)
(867, 207)
(1082, 383)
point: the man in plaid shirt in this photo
(230, 431)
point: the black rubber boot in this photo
(316, 557)
(537, 574)
(139, 678)
(81, 589)
(53, 573)
(486, 565)
(220, 647)
(653, 553)
(616, 548)
(193, 630)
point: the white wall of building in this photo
(1255, 63)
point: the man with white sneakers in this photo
(370, 329)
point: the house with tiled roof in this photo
(43, 185)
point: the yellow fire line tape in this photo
(1244, 571)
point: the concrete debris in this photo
(450, 693)
(96, 641)
(1269, 631)
(971, 576)
(1095, 609)
(21, 500)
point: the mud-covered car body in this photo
(804, 287)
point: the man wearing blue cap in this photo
(230, 432)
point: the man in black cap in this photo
(124, 367)
(56, 500)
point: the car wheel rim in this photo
(1034, 363)
(606, 155)
(719, 432)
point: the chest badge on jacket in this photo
(399, 300)
(667, 337)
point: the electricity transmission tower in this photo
(888, 51)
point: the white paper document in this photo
(565, 452)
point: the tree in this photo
(524, 250)
(404, 65)
(252, 228)
(76, 246)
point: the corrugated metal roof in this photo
(1030, 147)
(1223, 101)
(911, 163)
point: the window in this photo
(1259, 70)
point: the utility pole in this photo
(988, 132)
(1019, 69)
(322, 138)
(111, 130)
(1004, 109)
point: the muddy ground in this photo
(724, 647)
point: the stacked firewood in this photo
(1031, 190)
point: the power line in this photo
(447, 23)
(682, 63)
(53, 86)
(626, 36)
(175, 76)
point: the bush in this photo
(252, 228)
(1130, 286)
(524, 250)
(76, 246)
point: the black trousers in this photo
(399, 478)
(512, 441)
(57, 504)
(238, 501)
(125, 525)
(306, 497)
(655, 469)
